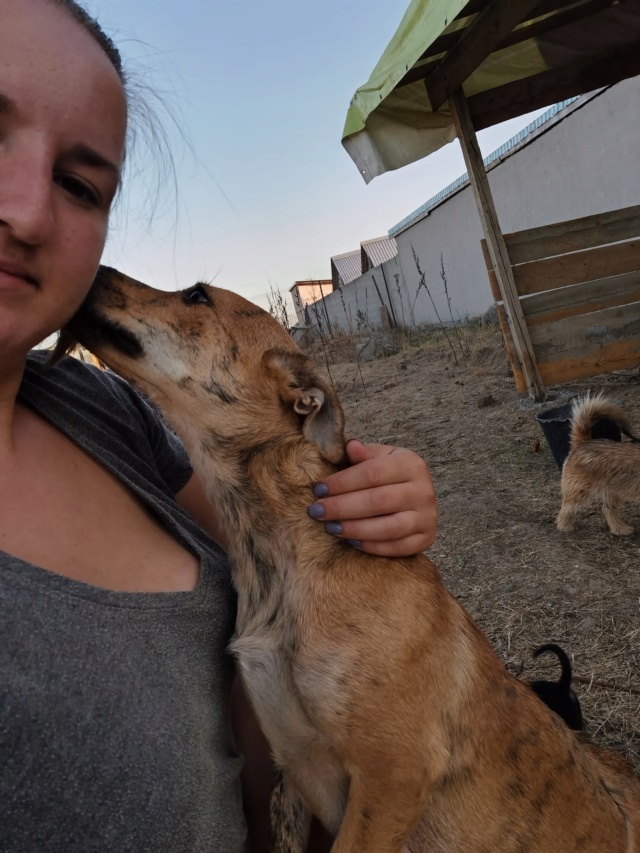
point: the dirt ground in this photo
(497, 548)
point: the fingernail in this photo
(334, 528)
(355, 543)
(316, 510)
(321, 490)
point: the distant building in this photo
(345, 268)
(376, 252)
(349, 266)
(304, 293)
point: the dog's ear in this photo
(303, 389)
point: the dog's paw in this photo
(564, 525)
(622, 529)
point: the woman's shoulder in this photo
(72, 393)
(96, 408)
(78, 383)
(71, 372)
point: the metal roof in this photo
(500, 152)
(348, 266)
(377, 251)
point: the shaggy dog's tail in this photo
(594, 409)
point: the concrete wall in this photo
(585, 161)
(356, 306)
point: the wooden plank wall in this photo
(579, 287)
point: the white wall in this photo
(358, 303)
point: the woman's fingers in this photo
(385, 502)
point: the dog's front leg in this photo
(379, 817)
(290, 817)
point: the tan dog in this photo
(604, 469)
(388, 712)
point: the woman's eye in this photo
(78, 189)
(196, 296)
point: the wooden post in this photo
(495, 243)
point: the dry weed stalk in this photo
(277, 307)
(352, 338)
(464, 350)
(300, 309)
(396, 276)
(362, 317)
(323, 341)
(422, 283)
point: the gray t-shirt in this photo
(114, 723)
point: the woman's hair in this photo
(147, 111)
(144, 121)
(149, 115)
(95, 30)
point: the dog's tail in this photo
(587, 411)
(564, 682)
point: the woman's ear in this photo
(304, 389)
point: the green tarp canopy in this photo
(509, 57)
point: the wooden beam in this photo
(558, 84)
(575, 363)
(581, 299)
(591, 361)
(575, 299)
(477, 41)
(556, 21)
(542, 7)
(495, 242)
(447, 41)
(471, 8)
(577, 267)
(587, 232)
(595, 330)
(546, 9)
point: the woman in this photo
(116, 606)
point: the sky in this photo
(253, 100)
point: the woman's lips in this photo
(15, 277)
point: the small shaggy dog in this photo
(604, 469)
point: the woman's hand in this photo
(383, 504)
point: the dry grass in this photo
(497, 549)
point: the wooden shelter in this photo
(455, 67)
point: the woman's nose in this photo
(26, 195)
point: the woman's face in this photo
(62, 129)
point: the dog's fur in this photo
(608, 470)
(386, 709)
(558, 695)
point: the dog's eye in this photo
(196, 296)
